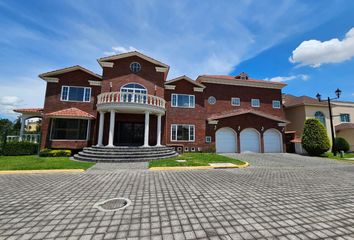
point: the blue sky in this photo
(307, 44)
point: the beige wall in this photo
(296, 116)
(339, 108)
(348, 135)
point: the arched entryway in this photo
(225, 140)
(250, 140)
(273, 142)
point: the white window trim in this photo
(255, 105)
(239, 100)
(189, 135)
(207, 139)
(189, 97)
(277, 102)
(123, 87)
(67, 96)
(340, 117)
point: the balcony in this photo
(128, 102)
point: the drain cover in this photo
(114, 204)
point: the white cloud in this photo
(8, 103)
(120, 49)
(303, 77)
(315, 53)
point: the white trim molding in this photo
(214, 122)
(198, 89)
(170, 87)
(161, 69)
(246, 83)
(95, 83)
(51, 79)
(106, 64)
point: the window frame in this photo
(344, 114)
(87, 132)
(276, 101)
(189, 132)
(68, 93)
(322, 116)
(175, 103)
(131, 67)
(236, 98)
(208, 139)
(259, 101)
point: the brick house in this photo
(132, 104)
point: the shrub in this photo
(315, 139)
(54, 153)
(19, 148)
(341, 145)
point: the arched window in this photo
(321, 117)
(133, 92)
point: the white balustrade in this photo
(24, 138)
(128, 97)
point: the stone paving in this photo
(281, 196)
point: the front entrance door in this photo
(130, 134)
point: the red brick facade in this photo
(154, 80)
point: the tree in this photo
(341, 144)
(315, 139)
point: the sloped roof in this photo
(71, 113)
(245, 111)
(344, 126)
(292, 101)
(184, 77)
(28, 110)
(231, 80)
(68, 69)
(130, 54)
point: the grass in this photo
(194, 159)
(330, 155)
(34, 162)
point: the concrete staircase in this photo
(124, 154)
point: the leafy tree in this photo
(341, 145)
(315, 139)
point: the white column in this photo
(146, 133)
(22, 127)
(100, 130)
(111, 129)
(158, 142)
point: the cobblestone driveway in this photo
(279, 197)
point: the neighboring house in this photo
(32, 126)
(132, 104)
(298, 109)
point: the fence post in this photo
(39, 143)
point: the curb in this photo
(196, 168)
(42, 171)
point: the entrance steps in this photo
(124, 154)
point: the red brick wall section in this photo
(53, 103)
(120, 75)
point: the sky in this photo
(308, 45)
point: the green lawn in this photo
(34, 162)
(330, 155)
(194, 159)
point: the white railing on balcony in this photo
(127, 97)
(25, 138)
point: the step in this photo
(125, 152)
(124, 156)
(106, 150)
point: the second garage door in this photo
(272, 141)
(249, 140)
(225, 140)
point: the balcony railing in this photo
(34, 138)
(127, 97)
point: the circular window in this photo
(211, 100)
(135, 67)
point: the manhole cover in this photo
(111, 205)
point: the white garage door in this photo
(272, 141)
(225, 140)
(249, 140)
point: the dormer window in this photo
(135, 67)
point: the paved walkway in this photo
(280, 196)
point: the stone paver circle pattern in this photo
(113, 204)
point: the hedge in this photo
(19, 148)
(54, 153)
(341, 145)
(315, 139)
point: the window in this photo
(212, 100)
(276, 104)
(321, 117)
(235, 101)
(69, 129)
(133, 92)
(344, 117)
(183, 100)
(182, 132)
(76, 94)
(255, 103)
(208, 139)
(135, 67)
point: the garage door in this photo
(272, 141)
(249, 140)
(225, 140)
